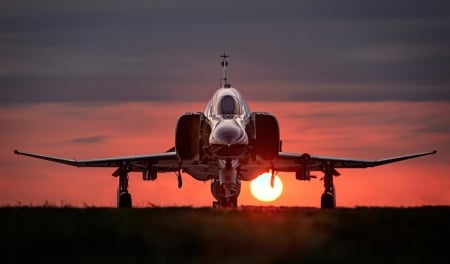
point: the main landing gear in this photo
(123, 196)
(328, 199)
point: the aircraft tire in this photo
(233, 202)
(327, 201)
(230, 202)
(125, 200)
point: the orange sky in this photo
(359, 130)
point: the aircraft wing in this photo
(292, 161)
(168, 162)
(163, 162)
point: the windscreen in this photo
(227, 106)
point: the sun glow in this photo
(261, 189)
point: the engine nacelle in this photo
(188, 136)
(266, 140)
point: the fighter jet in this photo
(226, 144)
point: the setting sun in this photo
(261, 189)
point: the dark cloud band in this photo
(348, 50)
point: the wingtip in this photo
(16, 152)
(434, 151)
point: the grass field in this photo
(247, 235)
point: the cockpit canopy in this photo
(227, 106)
(227, 102)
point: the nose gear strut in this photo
(227, 187)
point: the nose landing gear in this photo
(227, 187)
(226, 195)
(228, 202)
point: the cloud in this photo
(118, 51)
(401, 53)
(88, 140)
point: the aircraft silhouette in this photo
(226, 144)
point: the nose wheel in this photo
(229, 202)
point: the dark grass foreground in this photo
(246, 235)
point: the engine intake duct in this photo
(266, 141)
(188, 137)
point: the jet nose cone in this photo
(226, 134)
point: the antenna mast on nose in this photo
(224, 82)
